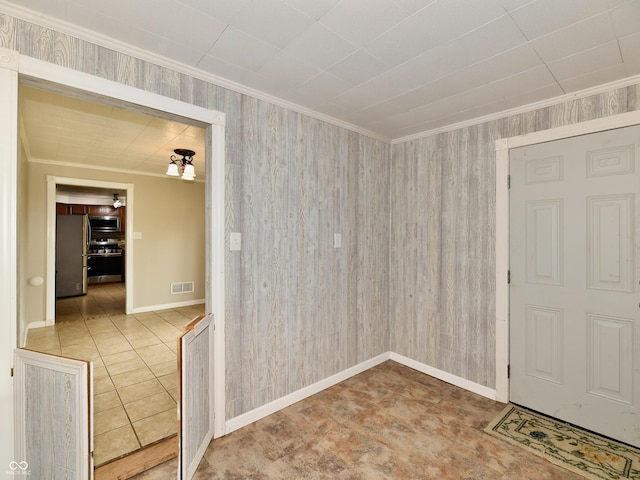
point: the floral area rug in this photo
(567, 446)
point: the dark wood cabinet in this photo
(97, 210)
(77, 209)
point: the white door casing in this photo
(502, 148)
(574, 269)
(12, 66)
(41, 72)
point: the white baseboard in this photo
(166, 306)
(272, 407)
(25, 336)
(444, 376)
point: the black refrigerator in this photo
(72, 241)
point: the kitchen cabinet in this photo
(65, 209)
(62, 209)
(123, 218)
(77, 209)
(97, 210)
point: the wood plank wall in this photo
(298, 310)
(442, 267)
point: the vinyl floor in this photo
(389, 422)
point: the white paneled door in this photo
(196, 394)
(575, 268)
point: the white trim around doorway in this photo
(46, 74)
(502, 224)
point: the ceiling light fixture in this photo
(117, 203)
(185, 163)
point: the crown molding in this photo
(622, 83)
(57, 163)
(127, 49)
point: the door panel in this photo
(544, 343)
(575, 267)
(610, 356)
(54, 434)
(196, 394)
(609, 242)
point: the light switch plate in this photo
(337, 240)
(137, 235)
(235, 241)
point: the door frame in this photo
(15, 67)
(52, 183)
(502, 147)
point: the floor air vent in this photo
(181, 287)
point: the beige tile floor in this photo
(389, 422)
(134, 359)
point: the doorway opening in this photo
(503, 147)
(212, 124)
(108, 263)
(92, 311)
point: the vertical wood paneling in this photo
(460, 323)
(299, 310)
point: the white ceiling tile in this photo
(49, 7)
(532, 96)
(324, 85)
(360, 21)
(391, 84)
(586, 62)
(167, 22)
(226, 70)
(604, 75)
(403, 42)
(411, 7)
(505, 64)
(450, 19)
(358, 98)
(626, 18)
(237, 47)
(510, 5)
(272, 21)
(358, 67)
(320, 47)
(383, 109)
(492, 39)
(313, 8)
(580, 36)
(528, 80)
(288, 70)
(334, 109)
(629, 47)
(545, 16)
(434, 25)
(130, 34)
(224, 10)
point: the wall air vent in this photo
(181, 287)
